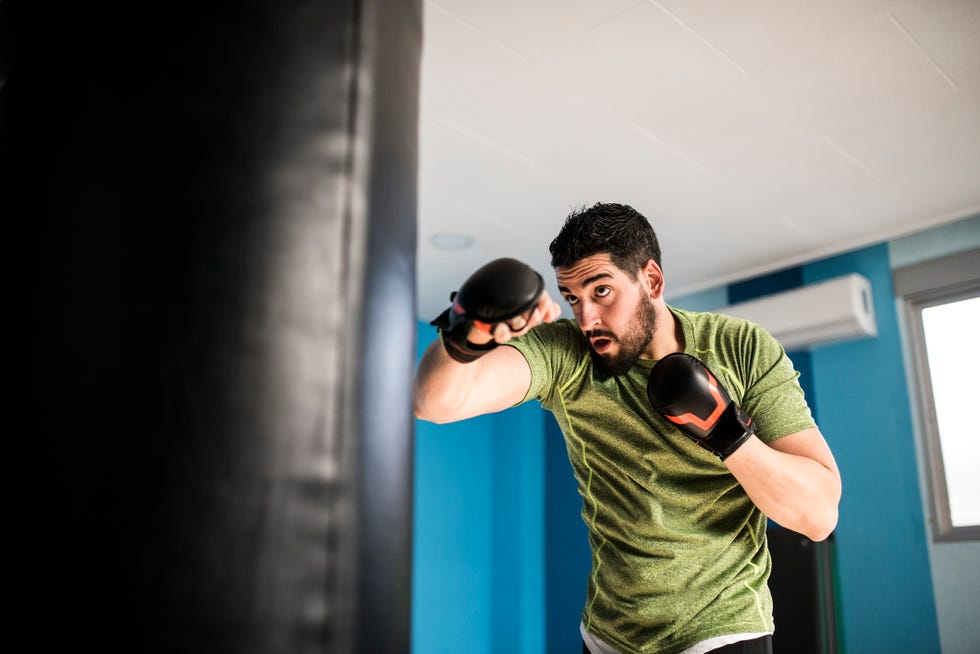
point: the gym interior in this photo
(230, 225)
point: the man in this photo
(675, 499)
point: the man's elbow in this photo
(430, 412)
(823, 521)
(423, 403)
(420, 412)
(428, 417)
(822, 527)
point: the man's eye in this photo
(571, 299)
(602, 291)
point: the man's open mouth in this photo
(601, 344)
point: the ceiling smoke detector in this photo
(451, 241)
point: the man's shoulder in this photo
(713, 324)
(720, 336)
(560, 340)
(555, 352)
(563, 332)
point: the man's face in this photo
(612, 310)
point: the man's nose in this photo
(588, 315)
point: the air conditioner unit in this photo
(835, 310)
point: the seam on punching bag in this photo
(346, 596)
(351, 136)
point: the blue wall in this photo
(518, 530)
(453, 538)
(955, 565)
(567, 564)
(885, 586)
(478, 560)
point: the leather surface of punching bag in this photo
(211, 264)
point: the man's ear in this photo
(654, 278)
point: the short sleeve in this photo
(553, 351)
(773, 396)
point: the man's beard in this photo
(631, 345)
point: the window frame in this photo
(921, 286)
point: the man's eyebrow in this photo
(586, 281)
(595, 278)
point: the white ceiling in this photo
(754, 134)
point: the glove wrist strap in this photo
(453, 331)
(461, 349)
(733, 429)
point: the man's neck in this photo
(668, 335)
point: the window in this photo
(950, 333)
(942, 314)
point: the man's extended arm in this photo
(446, 390)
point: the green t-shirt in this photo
(678, 549)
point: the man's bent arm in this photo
(794, 480)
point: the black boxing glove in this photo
(499, 291)
(685, 392)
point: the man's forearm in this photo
(797, 491)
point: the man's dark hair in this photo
(616, 229)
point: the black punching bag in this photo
(209, 270)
